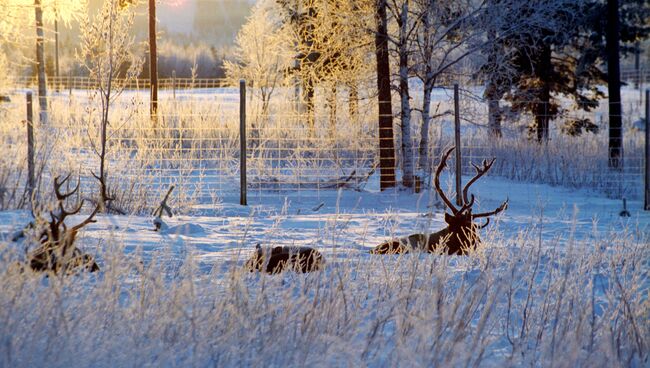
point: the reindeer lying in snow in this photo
(57, 252)
(461, 234)
(279, 259)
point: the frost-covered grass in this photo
(560, 280)
(525, 299)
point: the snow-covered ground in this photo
(561, 279)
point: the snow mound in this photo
(189, 229)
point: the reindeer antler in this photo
(467, 205)
(61, 197)
(480, 171)
(436, 182)
(57, 188)
(502, 207)
(63, 213)
(487, 222)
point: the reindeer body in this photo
(455, 239)
(51, 259)
(279, 259)
(461, 234)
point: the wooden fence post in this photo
(153, 62)
(459, 200)
(30, 145)
(242, 143)
(174, 83)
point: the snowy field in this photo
(560, 280)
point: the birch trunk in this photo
(40, 61)
(407, 152)
(426, 121)
(426, 92)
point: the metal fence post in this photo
(646, 202)
(457, 140)
(242, 142)
(30, 145)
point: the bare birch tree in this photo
(107, 50)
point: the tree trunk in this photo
(386, 142)
(426, 121)
(405, 114)
(426, 92)
(492, 92)
(494, 115)
(40, 61)
(308, 96)
(542, 106)
(353, 102)
(331, 102)
(614, 85)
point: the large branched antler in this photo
(480, 171)
(58, 233)
(62, 197)
(436, 181)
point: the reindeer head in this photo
(461, 221)
(57, 232)
(57, 248)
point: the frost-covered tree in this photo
(510, 27)
(447, 32)
(108, 54)
(18, 15)
(406, 24)
(332, 45)
(560, 53)
(263, 52)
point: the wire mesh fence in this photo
(193, 143)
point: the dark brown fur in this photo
(283, 258)
(50, 260)
(456, 239)
(461, 234)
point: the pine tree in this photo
(563, 56)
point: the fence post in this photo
(174, 83)
(646, 203)
(457, 142)
(153, 63)
(30, 145)
(242, 142)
